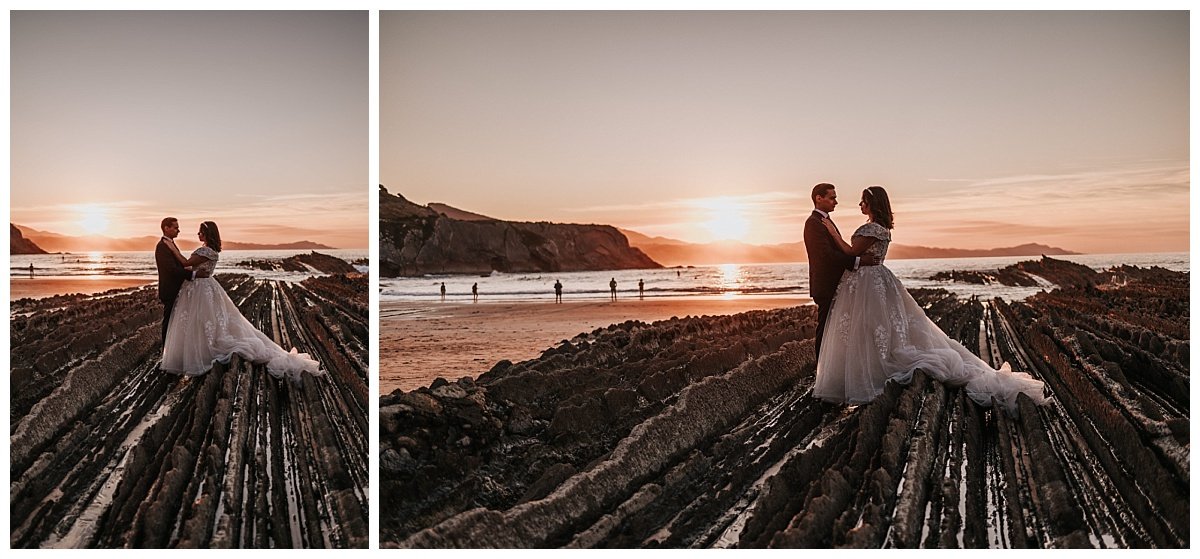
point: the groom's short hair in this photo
(167, 221)
(821, 190)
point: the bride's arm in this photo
(187, 262)
(861, 244)
(178, 255)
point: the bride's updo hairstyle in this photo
(212, 236)
(879, 205)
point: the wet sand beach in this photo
(21, 287)
(419, 342)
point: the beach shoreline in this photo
(421, 341)
(49, 286)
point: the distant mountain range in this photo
(55, 242)
(673, 252)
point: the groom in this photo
(826, 261)
(170, 272)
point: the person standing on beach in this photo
(826, 261)
(171, 273)
(443, 292)
(475, 292)
(31, 270)
(557, 291)
(612, 288)
(641, 289)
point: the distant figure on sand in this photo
(171, 274)
(612, 288)
(31, 270)
(209, 328)
(882, 334)
(475, 292)
(443, 292)
(641, 289)
(557, 291)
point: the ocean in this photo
(140, 264)
(731, 280)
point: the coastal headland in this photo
(701, 432)
(107, 452)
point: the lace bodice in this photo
(880, 248)
(205, 269)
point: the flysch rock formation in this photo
(702, 432)
(18, 244)
(415, 240)
(302, 263)
(1058, 272)
(106, 452)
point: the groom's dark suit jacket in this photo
(170, 273)
(826, 261)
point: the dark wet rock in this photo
(549, 480)
(447, 390)
(500, 366)
(325, 263)
(233, 458)
(1062, 273)
(303, 263)
(1004, 276)
(702, 432)
(421, 403)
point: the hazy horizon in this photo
(989, 129)
(257, 120)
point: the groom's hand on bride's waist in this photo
(867, 260)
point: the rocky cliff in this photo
(415, 240)
(18, 244)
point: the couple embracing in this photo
(201, 325)
(870, 330)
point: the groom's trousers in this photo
(168, 306)
(822, 313)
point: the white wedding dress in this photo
(876, 332)
(207, 328)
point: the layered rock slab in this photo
(107, 452)
(702, 432)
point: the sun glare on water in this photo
(93, 219)
(731, 280)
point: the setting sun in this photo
(93, 219)
(727, 221)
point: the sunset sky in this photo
(988, 129)
(255, 120)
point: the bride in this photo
(206, 327)
(877, 332)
